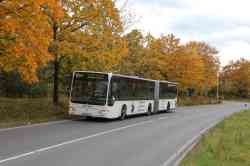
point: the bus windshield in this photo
(89, 88)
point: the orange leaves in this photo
(9, 25)
(236, 79)
(88, 30)
(87, 34)
(26, 35)
(56, 7)
(90, 34)
(166, 58)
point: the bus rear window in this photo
(167, 91)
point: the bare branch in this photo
(79, 27)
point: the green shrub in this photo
(196, 100)
(15, 112)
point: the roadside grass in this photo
(238, 99)
(23, 111)
(196, 100)
(228, 144)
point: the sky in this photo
(224, 24)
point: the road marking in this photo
(34, 125)
(73, 141)
(180, 153)
(161, 118)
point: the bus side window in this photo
(172, 91)
(131, 89)
(115, 90)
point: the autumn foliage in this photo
(25, 35)
(70, 35)
(236, 79)
(194, 65)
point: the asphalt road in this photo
(137, 141)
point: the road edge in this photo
(34, 125)
(178, 156)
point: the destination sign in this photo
(89, 76)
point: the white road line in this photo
(185, 147)
(34, 125)
(161, 118)
(73, 141)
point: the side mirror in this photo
(111, 101)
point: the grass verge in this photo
(228, 144)
(16, 112)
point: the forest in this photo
(42, 42)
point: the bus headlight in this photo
(71, 109)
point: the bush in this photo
(11, 85)
(38, 90)
(14, 112)
(196, 100)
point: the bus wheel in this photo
(123, 112)
(168, 108)
(149, 112)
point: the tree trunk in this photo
(56, 69)
(56, 83)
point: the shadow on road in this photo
(103, 120)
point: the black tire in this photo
(149, 112)
(123, 112)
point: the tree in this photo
(236, 79)
(166, 58)
(90, 30)
(132, 64)
(187, 68)
(211, 63)
(25, 36)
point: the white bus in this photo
(107, 95)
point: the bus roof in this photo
(133, 77)
(82, 71)
(126, 76)
(174, 83)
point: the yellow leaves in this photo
(88, 36)
(236, 78)
(26, 38)
(88, 30)
(106, 55)
(9, 25)
(185, 68)
(166, 58)
(56, 7)
(211, 62)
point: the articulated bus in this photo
(107, 95)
